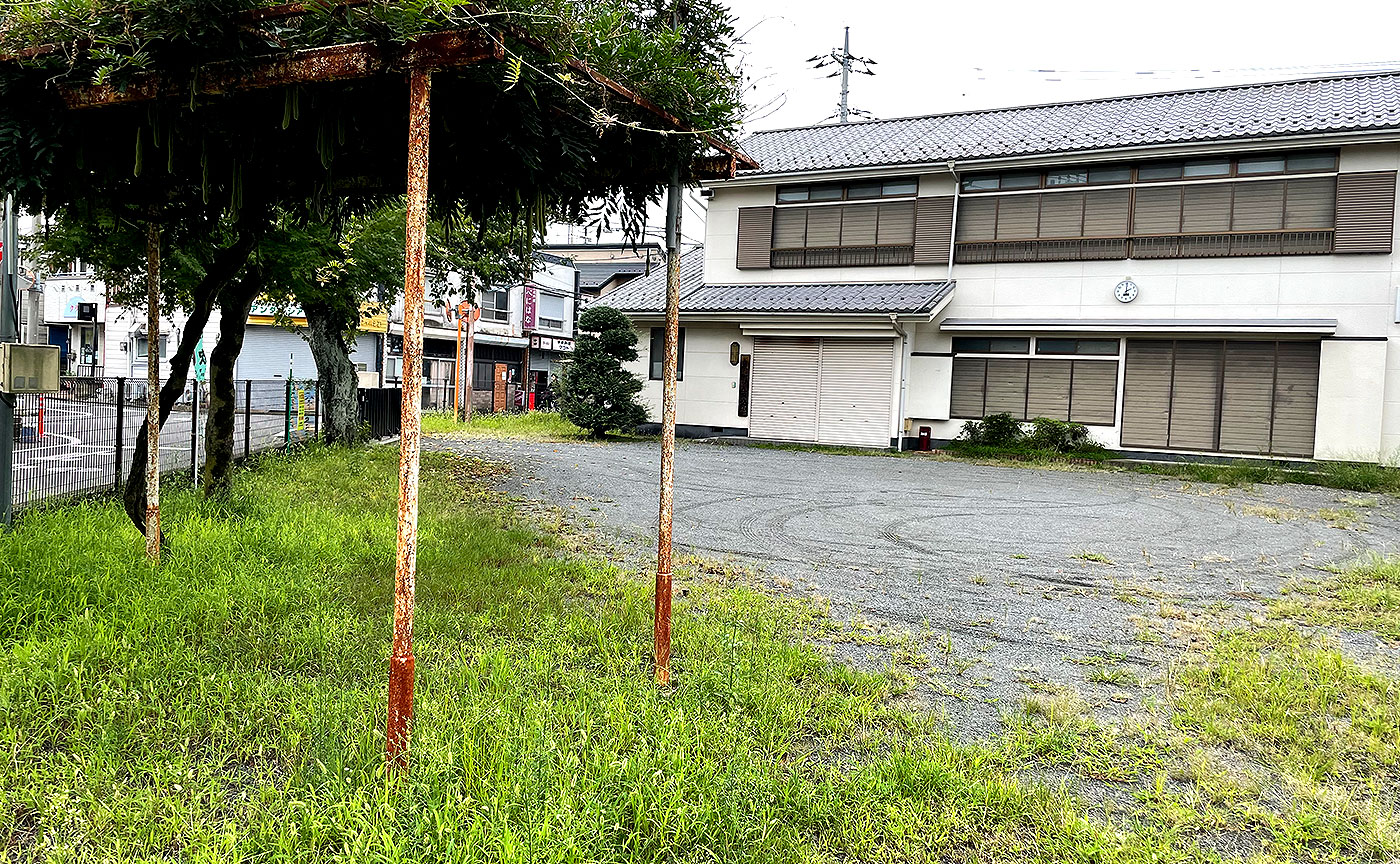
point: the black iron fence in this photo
(80, 439)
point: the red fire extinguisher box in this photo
(925, 437)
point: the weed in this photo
(1095, 557)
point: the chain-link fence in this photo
(80, 440)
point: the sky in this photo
(939, 57)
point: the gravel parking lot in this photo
(1003, 581)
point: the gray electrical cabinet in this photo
(28, 368)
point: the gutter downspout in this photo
(903, 379)
(953, 237)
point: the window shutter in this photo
(1311, 203)
(896, 224)
(1106, 213)
(1365, 212)
(858, 224)
(790, 228)
(1048, 389)
(969, 378)
(1147, 393)
(977, 220)
(1195, 395)
(1206, 209)
(1258, 206)
(1018, 217)
(755, 237)
(1157, 210)
(1295, 396)
(823, 227)
(1247, 396)
(1094, 395)
(1006, 387)
(1062, 215)
(933, 232)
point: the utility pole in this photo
(849, 63)
(9, 332)
(153, 391)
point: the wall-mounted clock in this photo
(1126, 291)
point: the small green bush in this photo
(1062, 436)
(994, 430)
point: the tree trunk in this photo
(237, 302)
(339, 385)
(226, 265)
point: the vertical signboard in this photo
(531, 301)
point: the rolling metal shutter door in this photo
(1295, 398)
(857, 381)
(1147, 392)
(267, 351)
(783, 388)
(1247, 397)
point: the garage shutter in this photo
(1094, 396)
(266, 352)
(969, 376)
(1195, 395)
(1295, 398)
(783, 391)
(1228, 396)
(1247, 397)
(856, 389)
(1147, 389)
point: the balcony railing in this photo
(1232, 244)
(842, 256)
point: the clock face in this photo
(1126, 291)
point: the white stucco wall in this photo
(709, 393)
(1350, 400)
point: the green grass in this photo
(1354, 476)
(529, 425)
(1363, 596)
(229, 705)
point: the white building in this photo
(1202, 272)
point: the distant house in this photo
(603, 267)
(1200, 272)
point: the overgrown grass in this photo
(1354, 476)
(228, 705)
(527, 425)
(1363, 596)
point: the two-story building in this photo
(1201, 272)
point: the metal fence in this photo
(80, 440)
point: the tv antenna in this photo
(849, 63)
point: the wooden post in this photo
(410, 416)
(153, 391)
(661, 632)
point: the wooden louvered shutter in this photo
(1247, 397)
(1006, 387)
(1365, 212)
(969, 378)
(896, 224)
(1258, 206)
(790, 228)
(1147, 392)
(1018, 217)
(1157, 210)
(858, 224)
(755, 237)
(1295, 397)
(1311, 203)
(933, 231)
(1094, 392)
(1195, 395)
(1062, 215)
(1048, 389)
(1106, 212)
(977, 220)
(823, 227)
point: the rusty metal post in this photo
(457, 379)
(153, 392)
(661, 631)
(473, 313)
(410, 417)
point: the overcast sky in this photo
(937, 57)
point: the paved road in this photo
(78, 449)
(1033, 576)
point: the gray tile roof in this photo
(595, 273)
(1344, 104)
(648, 294)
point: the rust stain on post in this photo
(410, 413)
(153, 391)
(661, 632)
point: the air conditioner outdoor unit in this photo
(28, 368)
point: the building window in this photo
(856, 190)
(657, 354)
(551, 312)
(1152, 172)
(991, 345)
(847, 235)
(495, 305)
(1082, 391)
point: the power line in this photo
(848, 63)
